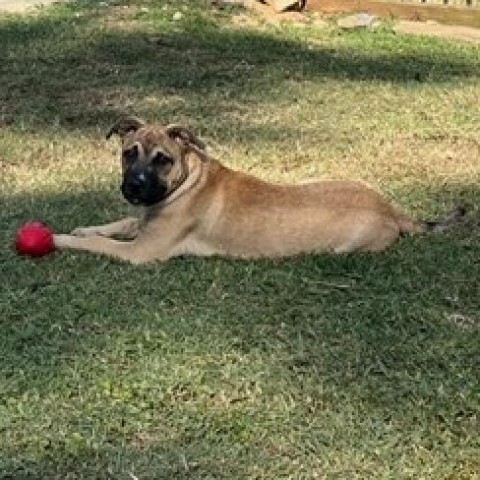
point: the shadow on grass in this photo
(80, 71)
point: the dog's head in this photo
(154, 159)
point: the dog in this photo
(195, 205)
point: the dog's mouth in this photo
(146, 196)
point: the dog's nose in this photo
(138, 180)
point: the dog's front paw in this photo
(62, 240)
(85, 232)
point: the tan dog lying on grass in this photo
(194, 205)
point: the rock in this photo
(359, 20)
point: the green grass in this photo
(316, 367)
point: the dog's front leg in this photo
(128, 227)
(136, 251)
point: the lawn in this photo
(317, 367)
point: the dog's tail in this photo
(409, 225)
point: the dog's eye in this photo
(131, 154)
(161, 159)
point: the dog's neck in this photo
(194, 167)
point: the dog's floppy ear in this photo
(185, 137)
(125, 125)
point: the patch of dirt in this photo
(21, 6)
(438, 30)
(121, 17)
(271, 16)
(257, 14)
(429, 28)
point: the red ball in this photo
(34, 239)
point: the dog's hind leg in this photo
(373, 234)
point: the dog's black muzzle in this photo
(143, 187)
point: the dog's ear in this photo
(185, 137)
(125, 125)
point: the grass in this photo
(354, 367)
